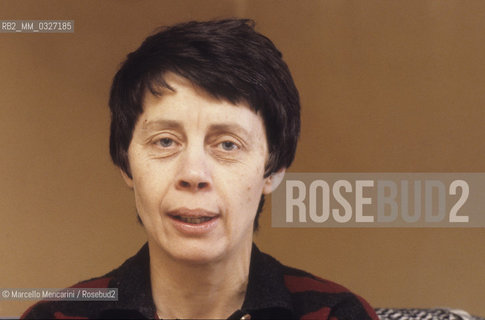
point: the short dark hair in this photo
(226, 58)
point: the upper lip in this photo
(192, 213)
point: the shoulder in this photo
(131, 272)
(66, 309)
(316, 298)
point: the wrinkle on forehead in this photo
(169, 80)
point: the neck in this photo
(185, 290)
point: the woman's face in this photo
(197, 166)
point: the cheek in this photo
(251, 188)
(149, 188)
(143, 200)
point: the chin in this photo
(197, 252)
(198, 258)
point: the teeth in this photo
(194, 220)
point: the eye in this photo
(228, 145)
(165, 142)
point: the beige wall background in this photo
(386, 86)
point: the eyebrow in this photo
(173, 124)
(229, 127)
(161, 124)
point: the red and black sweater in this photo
(274, 292)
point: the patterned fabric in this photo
(423, 314)
(274, 292)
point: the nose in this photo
(194, 173)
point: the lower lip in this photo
(192, 229)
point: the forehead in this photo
(188, 103)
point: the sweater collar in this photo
(266, 292)
(266, 286)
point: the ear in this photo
(128, 180)
(273, 181)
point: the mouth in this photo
(193, 220)
(192, 216)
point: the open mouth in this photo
(193, 220)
